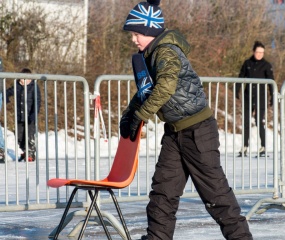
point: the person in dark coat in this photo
(32, 111)
(255, 67)
(190, 144)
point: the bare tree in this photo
(47, 40)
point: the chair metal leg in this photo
(100, 215)
(59, 228)
(119, 213)
(94, 205)
(67, 220)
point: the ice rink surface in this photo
(193, 222)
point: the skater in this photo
(31, 112)
(2, 144)
(255, 67)
(190, 142)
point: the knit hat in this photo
(146, 18)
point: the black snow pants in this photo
(247, 121)
(193, 152)
(31, 137)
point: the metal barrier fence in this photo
(23, 185)
(246, 175)
(282, 140)
(277, 201)
(58, 126)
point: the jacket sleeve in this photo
(242, 74)
(134, 103)
(168, 66)
(9, 93)
(39, 100)
(269, 75)
(34, 112)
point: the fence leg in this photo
(272, 203)
(110, 221)
(68, 218)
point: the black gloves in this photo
(129, 125)
(125, 123)
(134, 127)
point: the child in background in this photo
(29, 84)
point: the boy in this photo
(31, 112)
(190, 142)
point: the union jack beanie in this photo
(146, 18)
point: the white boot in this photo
(261, 152)
(243, 151)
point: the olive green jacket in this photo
(178, 97)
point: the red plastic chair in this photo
(121, 175)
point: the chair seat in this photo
(59, 182)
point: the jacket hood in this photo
(169, 37)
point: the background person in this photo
(31, 112)
(255, 67)
(190, 144)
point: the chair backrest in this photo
(126, 161)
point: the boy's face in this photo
(22, 81)
(140, 40)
